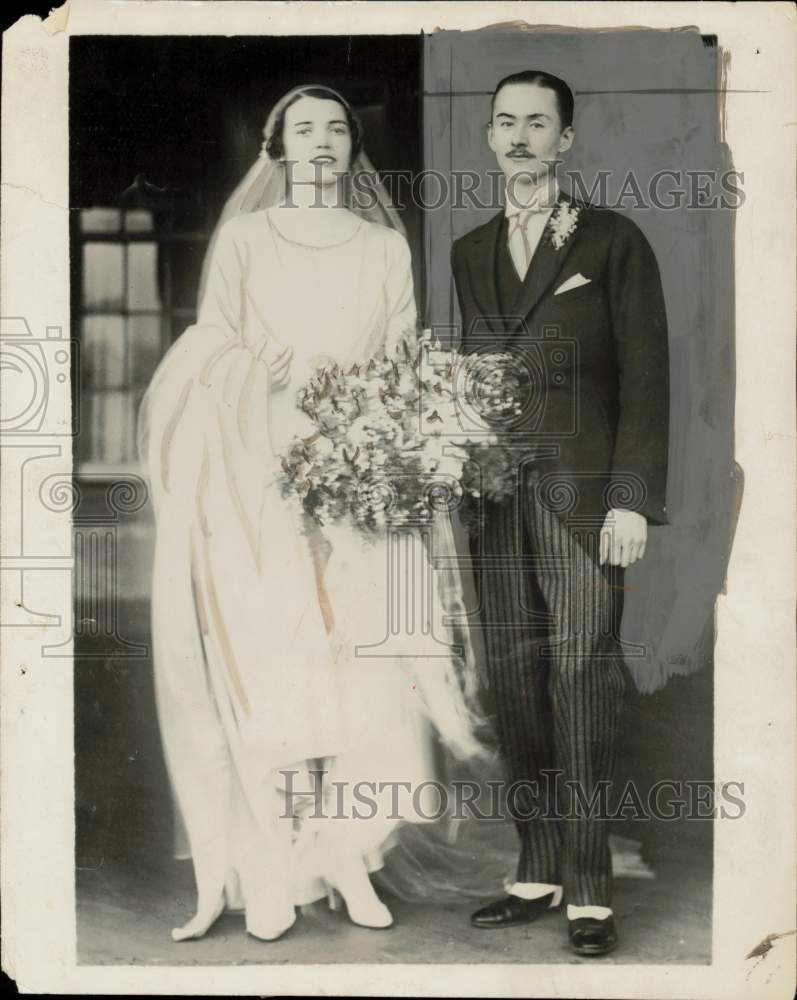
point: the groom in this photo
(573, 292)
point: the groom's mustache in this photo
(520, 154)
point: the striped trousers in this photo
(550, 620)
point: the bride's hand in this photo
(277, 358)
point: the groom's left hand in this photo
(624, 536)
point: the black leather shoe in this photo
(511, 910)
(589, 936)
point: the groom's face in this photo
(526, 132)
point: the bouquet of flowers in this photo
(390, 447)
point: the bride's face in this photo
(317, 141)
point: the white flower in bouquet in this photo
(324, 445)
(359, 432)
(450, 465)
(407, 384)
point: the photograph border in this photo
(754, 885)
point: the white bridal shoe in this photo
(260, 922)
(348, 877)
(269, 913)
(267, 930)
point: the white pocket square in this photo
(575, 281)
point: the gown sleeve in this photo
(401, 310)
(222, 299)
(226, 327)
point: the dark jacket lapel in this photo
(482, 255)
(546, 264)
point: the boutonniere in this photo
(562, 223)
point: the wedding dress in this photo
(273, 652)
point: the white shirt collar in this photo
(543, 200)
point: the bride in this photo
(272, 716)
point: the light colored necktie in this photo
(518, 240)
(519, 245)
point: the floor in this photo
(126, 913)
(130, 893)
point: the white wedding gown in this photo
(255, 623)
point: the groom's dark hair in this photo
(564, 95)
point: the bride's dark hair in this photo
(263, 185)
(275, 147)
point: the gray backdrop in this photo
(646, 101)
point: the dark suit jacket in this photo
(598, 354)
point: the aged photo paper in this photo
(398, 485)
